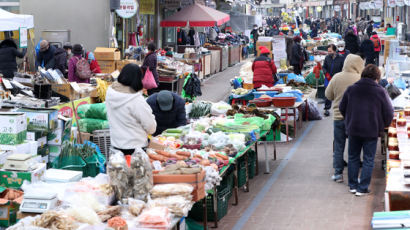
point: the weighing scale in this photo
(62, 176)
(19, 162)
(38, 202)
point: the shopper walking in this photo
(342, 50)
(263, 69)
(367, 50)
(332, 65)
(255, 36)
(367, 110)
(8, 54)
(377, 46)
(297, 58)
(129, 115)
(369, 29)
(352, 42)
(45, 57)
(350, 74)
(150, 62)
(289, 44)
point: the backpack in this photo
(375, 42)
(82, 69)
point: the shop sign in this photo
(400, 3)
(391, 3)
(378, 4)
(147, 7)
(128, 8)
(329, 2)
(23, 37)
(337, 8)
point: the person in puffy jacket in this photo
(61, 61)
(8, 54)
(263, 69)
(377, 46)
(78, 52)
(352, 42)
(168, 109)
(297, 59)
(45, 57)
(94, 66)
(367, 49)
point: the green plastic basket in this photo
(196, 212)
(241, 172)
(91, 168)
(252, 164)
(192, 225)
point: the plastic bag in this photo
(156, 217)
(96, 111)
(218, 140)
(120, 178)
(400, 83)
(177, 205)
(135, 206)
(142, 173)
(149, 81)
(393, 91)
(220, 108)
(161, 190)
(89, 125)
(313, 113)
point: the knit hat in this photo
(341, 43)
(264, 50)
(44, 45)
(68, 45)
(77, 49)
(165, 100)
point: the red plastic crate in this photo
(282, 102)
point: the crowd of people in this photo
(361, 105)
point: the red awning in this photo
(196, 15)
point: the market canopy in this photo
(11, 22)
(196, 15)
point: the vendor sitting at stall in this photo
(263, 69)
(129, 116)
(169, 110)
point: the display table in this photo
(224, 57)
(206, 65)
(234, 53)
(397, 196)
(215, 61)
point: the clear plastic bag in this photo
(142, 171)
(136, 206)
(177, 205)
(120, 177)
(156, 217)
(161, 190)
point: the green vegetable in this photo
(173, 131)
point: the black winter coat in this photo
(8, 54)
(61, 60)
(169, 119)
(367, 49)
(193, 87)
(150, 62)
(48, 58)
(352, 43)
(333, 66)
(297, 57)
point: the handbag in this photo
(149, 81)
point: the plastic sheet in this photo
(89, 125)
(96, 111)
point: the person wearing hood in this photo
(342, 50)
(168, 109)
(367, 49)
(45, 57)
(61, 61)
(352, 42)
(264, 69)
(8, 54)
(367, 111)
(129, 115)
(352, 68)
(297, 59)
(332, 65)
(377, 46)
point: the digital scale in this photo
(19, 162)
(38, 202)
(62, 176)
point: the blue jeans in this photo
(339, 135)
(369, 146)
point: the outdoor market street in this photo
(299, 193)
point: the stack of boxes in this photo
(107, 58)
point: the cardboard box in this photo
(55, 137)
(13, 128)
(3, 157)
(9, 206)
(67, 110)
(107, 54)
(41, 119)
(14, 179)
(107, 66)
(196, 180)
(23, 148)
(66, 90)
(120, 64)
(34, 136)
(54, 151)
